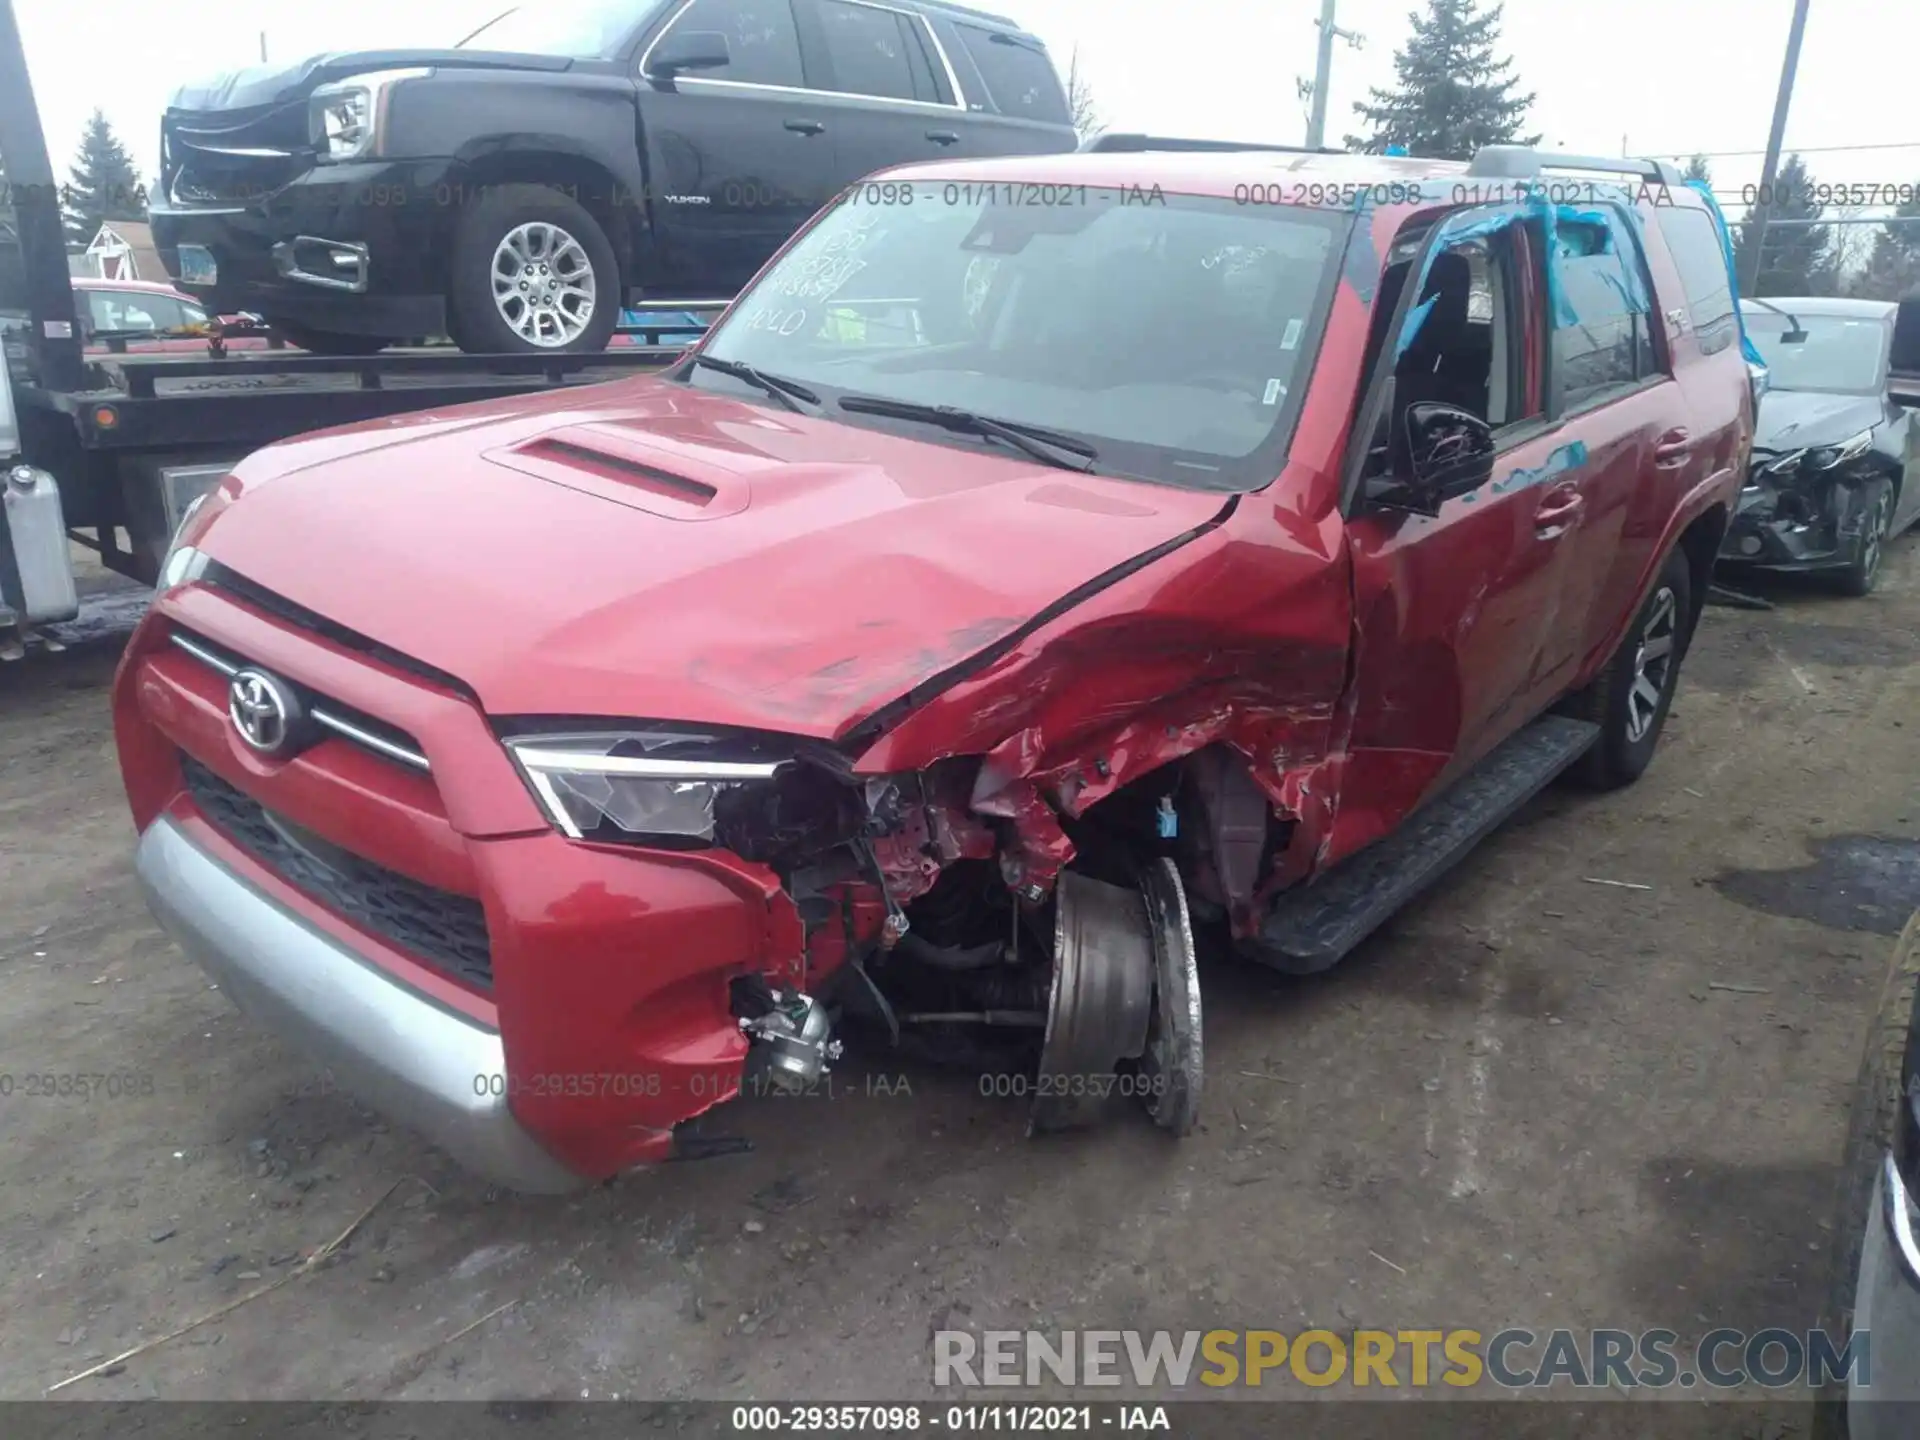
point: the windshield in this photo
(577, 29)
(1841, 354)
(1171, 334)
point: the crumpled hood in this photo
(1799, 419)
(272, 84)
(651, 551)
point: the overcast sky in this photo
(1654, 75)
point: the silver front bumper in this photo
(1886, 1308)
(401, 1052)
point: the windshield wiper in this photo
(788, 392)
(1043, 445)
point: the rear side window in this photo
(1020, 77)
(761, 38)
(1603, 339)
(1694, 243)
(875, 51)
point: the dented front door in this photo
(1456, 611)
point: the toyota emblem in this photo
(265, 711)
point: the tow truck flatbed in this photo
(112, 444)
(253, 398)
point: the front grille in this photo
(349, 724)
(233, 157)
(445, 930)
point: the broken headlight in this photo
(636, 784)
(1828, 456)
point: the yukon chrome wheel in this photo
(543, 284)
(1652, 664)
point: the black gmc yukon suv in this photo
(570, 156)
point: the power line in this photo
(1887, 220)
(1791, 149)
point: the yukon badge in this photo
(266, 712)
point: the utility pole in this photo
(1770, 167)
(1323, 72)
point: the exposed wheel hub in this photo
(1123, 1014)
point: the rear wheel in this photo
(533, 273)
(1870, 1129)
(1863, 570)
(329, 342)
(1630, 700)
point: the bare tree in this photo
(1852, 249)
(1080, 102)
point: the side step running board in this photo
(1308, 930)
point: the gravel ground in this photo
(1534, 1100)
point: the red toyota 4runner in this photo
(1043, 560)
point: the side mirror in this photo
(1443, 451)
(689, 50)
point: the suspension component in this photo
(798, 1037)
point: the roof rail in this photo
(1523, 162)
(1128, 143)
(955, 11)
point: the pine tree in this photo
(1893, 267)
(1698, 169)
(1796, 259)
(102, 185)
(1453, 94)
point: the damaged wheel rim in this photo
(1653, 664)
(1173, 1066)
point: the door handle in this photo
(943, 137)
(1559, 509)
(1672, 448)
(806, 127)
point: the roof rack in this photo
(1523, 162)
(1128, 143)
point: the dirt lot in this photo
(1528, 1103)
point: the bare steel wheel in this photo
(532, 273)
(1659, 633)
(543, 285)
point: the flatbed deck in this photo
(251, 398)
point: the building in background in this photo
(122, 250)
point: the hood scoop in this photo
(618, 466)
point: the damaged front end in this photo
(949, 935)
(1812, 508)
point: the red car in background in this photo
(138, 317)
